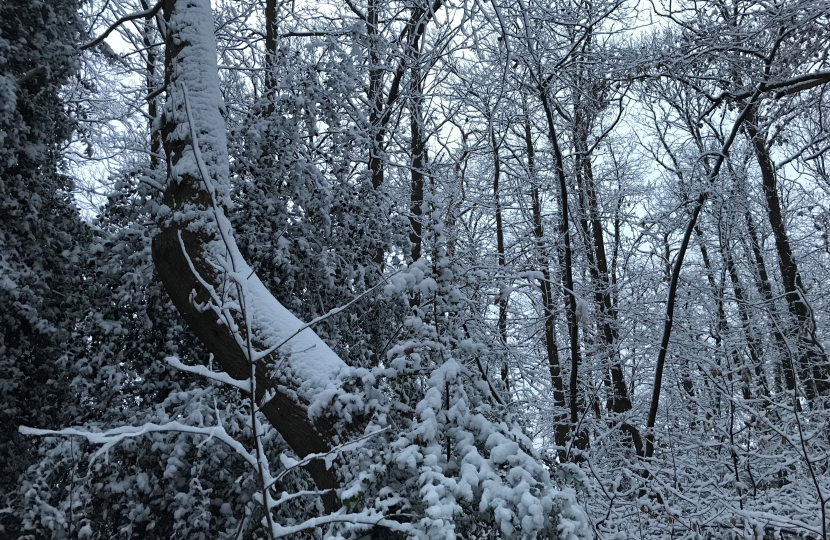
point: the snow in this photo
(581, 309)
(110, 438)
(205, 372)
(196, 74)
(501, 453)
(305, 354)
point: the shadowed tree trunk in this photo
(580, 439)
(152, 104)
(765, 288)
(271, 29)
(675, 275)
(374, 95)
(812, 359)
(503, 296)
(418, 158)
(618, 401)
(561, 427)
(381, 106)
(502, 299)
(756, 353)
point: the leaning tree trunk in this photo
(675, 276)
(196, 255)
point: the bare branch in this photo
(146, 14)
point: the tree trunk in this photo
(580, 439)
(374, 96)
(756, 353)
(675, 276)
(561, 427)
(152, 103)
(812, 360)
(502, 299)
(195, 252)
(619, 401)
(723, 328)
(765, 288)
(418, 158)
(502, 295)
(271, 29)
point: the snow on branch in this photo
(114, 436)
(205, 372)
(328, 457)
(334, 311)
(111, 437)
(362, 518)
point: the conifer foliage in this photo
(42, 237)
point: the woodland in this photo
(415, 269)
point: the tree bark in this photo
(812, 359)
(580, 439)
(375, 95)
(675, 275)
(152, 105)
(756, 353)
(502, 300)
(418, 158)
(271, 29)
(196, 241)
(765, 288)
(619, 401)
(561, 427)
(380, 106)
